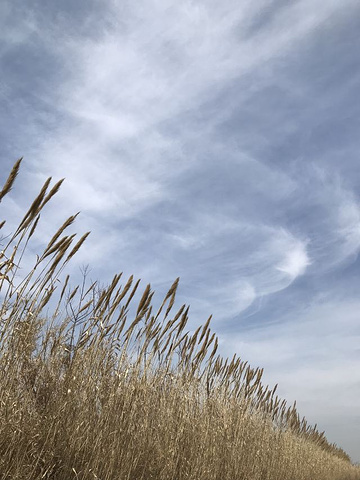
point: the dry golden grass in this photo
(88, 393)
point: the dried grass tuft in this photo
(11, 179)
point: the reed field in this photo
(95, 387)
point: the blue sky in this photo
(215, 141)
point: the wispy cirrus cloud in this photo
(119, 91)
(141, 73)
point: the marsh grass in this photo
(91, 392)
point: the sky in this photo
(213, 141)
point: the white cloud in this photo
(296, 261)
(349, 225)
(240, 261)
(334, 217)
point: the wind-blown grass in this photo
(90, 392)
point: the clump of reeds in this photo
(89, 393)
